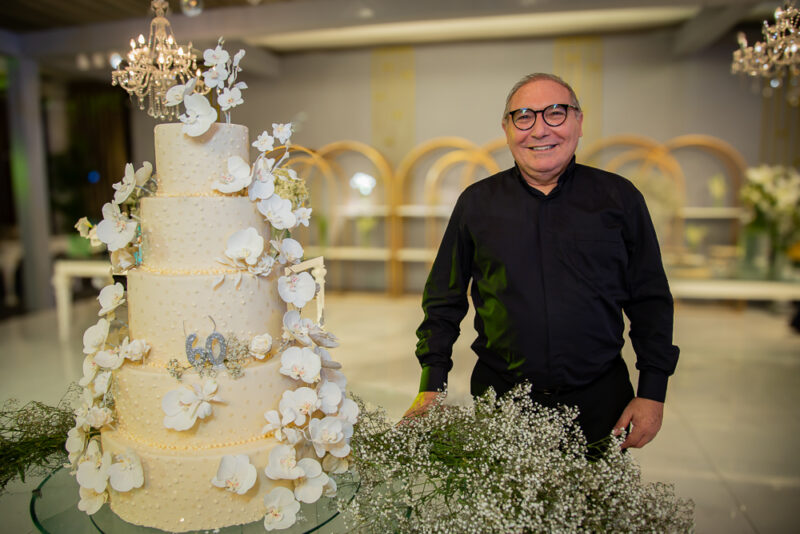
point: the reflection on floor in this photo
(730, 428)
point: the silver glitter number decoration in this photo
(199, 356)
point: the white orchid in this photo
(303, 215)
(115, 230)
(263, 185)
(297, 289)
(330, 488)
(330, 397)
(95, 336)
(184, 405)
(301, 364)
(245, 245)
(93, 468)
(199, 115)
(111, 358)
(230, 98)
(126, 473)
(111, 297)
(237, 178)
(281, 508)
(215, 56)
(289, 251)
(98, 416)
(143, 173)
(91, 501)
(330, 434)
(260, 346)
(238, 57)
(215, 76)
(296, 405)
(76, 443)
(280, 432)
(332, 464)
(297, 327)
(283, 463)
(282, 132)
(235, 474)
(278, 212)
(125, 187)
(178, 92)
(123, 259)
(308, 488)
(322, 338)
(348, 411)
(89, 370)
(265, 142)
(83, 226)
(98, 387)
(135, 350)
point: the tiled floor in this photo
(729, 439)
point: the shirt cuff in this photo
(652, 385)
(433, 378)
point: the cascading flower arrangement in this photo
(501, 465)
(772, 196)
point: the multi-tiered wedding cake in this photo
(215, 403)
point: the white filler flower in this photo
(235, 474)
(281, 507)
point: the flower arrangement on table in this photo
(772, 196)
(500, 465)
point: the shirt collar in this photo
(562, 180)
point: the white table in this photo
(63, 273)
(718, 289)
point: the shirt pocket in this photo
(597, 258)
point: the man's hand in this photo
(645, 416)
(421, 403)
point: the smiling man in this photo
(556, 252)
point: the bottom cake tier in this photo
(177, 495)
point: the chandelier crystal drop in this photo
(154, 65)
(776, 59)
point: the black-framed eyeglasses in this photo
(555, 115)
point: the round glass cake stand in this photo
(54, 510)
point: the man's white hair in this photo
(538, 76)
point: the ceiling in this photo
(55, 32)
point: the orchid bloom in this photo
(281, 508)
(245, 245)
(283, 463)
(125, 187)
(199, 115)
(282, 132)
(237, 178)
(115, 230)
(95, 336)
(301, 364)
(297, 288)
(263, 185)
(235, 474)
(127, 473)
(111, 297)
(308, 488)
(296, 405)
(264, 142)
(184, 405)
(278, 212)
(330, 434)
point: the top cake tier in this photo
(188, 165)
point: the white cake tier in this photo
(190, 233)
(238, 418)
(188, 165)
(177, 494)
(163, 309)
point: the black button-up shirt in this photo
(551, 276)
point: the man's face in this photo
(544, 151)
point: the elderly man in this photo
(556, 251)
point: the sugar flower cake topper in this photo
(220, 78)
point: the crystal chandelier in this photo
(155, 65)
(777, 58)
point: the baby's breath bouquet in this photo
(501, 465)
